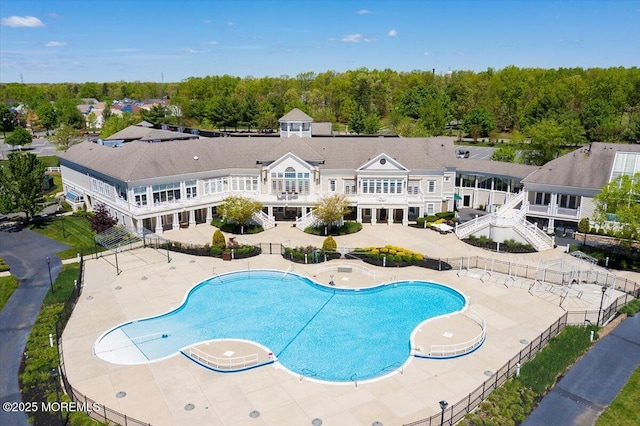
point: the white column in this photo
(373, 215)
(405, 216)
(359, 214)
(139, 226)
(192, 218)
(176, 221)
(270, 211)
(158, 224)
(390, 215)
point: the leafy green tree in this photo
(21, 184)
(92, 121)
(106, 112)
(7, 119)
(218, 239)
(239, 210)
(357, 121)
(266, 119)
(331, 208)
(504, 153)
(68, 113)
(371, 123)
(619, 201)
(546, 140)
(115, 123)
(19, 137)
(47, 116)
(478, 121)
(329, 244)
(599, 120)
(65, 136)
(101, 220)
(155, 115)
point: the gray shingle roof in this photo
(141, 160)
(295, 115)
(582, 168)
(494, 168)
(142, 133)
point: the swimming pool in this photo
(320, 332)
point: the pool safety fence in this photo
(455, 350)
(453, 413)
(222, 363)
(456, 412)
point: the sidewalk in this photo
(594, 382)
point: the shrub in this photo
(593, 231)
(446, 215)
(329, 244)
(583, 225)
(218, 240)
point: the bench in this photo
(345, 268)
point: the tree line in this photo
(566, 106)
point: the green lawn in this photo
(624, 409)
(7, 286)
(77, 234)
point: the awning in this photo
(71, 196)
(457, 197)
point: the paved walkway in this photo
(159, 392)
(25, 252)
(594, 382)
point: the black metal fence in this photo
(453, 413)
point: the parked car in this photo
(463, 154)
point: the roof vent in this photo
(195, 157)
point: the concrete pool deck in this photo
(158, 392)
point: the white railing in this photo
(307, 220)
(53, 169)
(225, 363)
(468, 228)
(447, 351)
(538, 239)
(511, 204)
(264, 219)
(347, 266)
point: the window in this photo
(289, 181)
(122, 192)
(244, 183)
(216, 186)
(542, 198)
(413, 187)
(484, 182)
(140, 195)
(191, 190)
(568, 201)
(431, 208)
(350, 187)
(101, 187)
(166, 193)
(380, 186)
(447, 179)
(332, 185)
(625, 163)
(432, 186)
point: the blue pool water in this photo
(324, 333)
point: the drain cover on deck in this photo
(316, 422)
(254, 414)
(524, 341)
(121, 394)
(488, 373)
(376, 423)
(189, 407)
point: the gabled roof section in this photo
(494, 168)
(140, 133)
(294, 157)
(588, 167)
(295, 115)
(382, 162)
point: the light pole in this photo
(54, 376)
(584, 242)
(50, 279)
(604, 290)
(443, 406)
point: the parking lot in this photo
(475, 152)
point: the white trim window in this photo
(350, 187)
(332, 185)
(381, 186)
(431, 209)
(191, 189)
(431, 186)
(542, 198)
(166, 193)
(101, 187)
(244, 183)
(140, 195)
(216, 186)
(413, 187)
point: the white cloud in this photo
(22, 21)
(357, 38)
(207, 21)
(392, 33)
(230, 24)
(56, 44)
(54, 15)
(363, 12)
(192, 51)
(211, 43)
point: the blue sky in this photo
(93, 40)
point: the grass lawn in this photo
(77, 234)
(624, 410)
(7, 286)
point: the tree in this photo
(21, 184)
(66, 136)
(68, 113)
(115, 123)
(47, 116)
(504, 153)
(239, 210)
(101, 219)
(19, 137)
(478, 121)
(619, 201)
(331, 208)
(546, 139)
(218, 239)
(156, 115)
(92, 121)
(357, 121)
(7, 119)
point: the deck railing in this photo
(448, 351)
(224, 363)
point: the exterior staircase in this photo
(307, 220)
(261, 218)
(508, 216)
